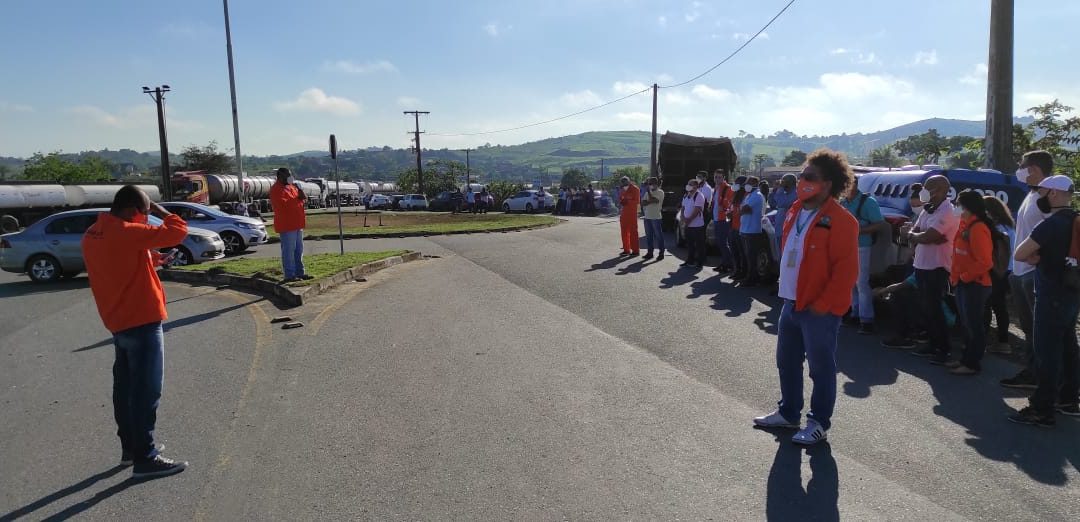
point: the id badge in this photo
(792, 255)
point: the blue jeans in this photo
(1023, 293)
(292, 253)
(971, 303)
(805, 335)
(654, 233)
(1056, 350)
(722, 230)
(138, 374)
(862, 296)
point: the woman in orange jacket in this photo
(973, 257)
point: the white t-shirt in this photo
(706, 190)
(930, 257)
(688, 204)
(791, 258)
(1027, 217)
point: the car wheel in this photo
(9, 224)
(506, 208)
(528, 208)
(234, 244)
(183, 257)
(44, 269)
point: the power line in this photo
(732, 55)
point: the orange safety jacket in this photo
(973, 253)
(830, 261)
(288, 208)
(722, 197)
(629, 199)
(125, 285)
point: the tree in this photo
(794, 159)
(207, 158)
(439, 176)
(4, 171)
(1050, 131)
(52, 167)
(574, 177)
(761, 161)
(502, 189)
(884, 157)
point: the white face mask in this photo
(690, 188)
(917, 210)
(957, 210)
(1022, 175)
(291, 180)
(748, 187)
(924, 196)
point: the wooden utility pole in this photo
(419, 162)
(652, 150)
(467, 171)
(999, 88)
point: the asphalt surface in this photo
(526, 375)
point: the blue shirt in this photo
(869, 214)
(1011, 233)
(782, 199)
(751, 223)
(1053, 235)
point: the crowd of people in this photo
(970, 257)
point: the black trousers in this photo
(695, 245)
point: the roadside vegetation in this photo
(415, 223)
(318, 265)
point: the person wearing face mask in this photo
(735, 239)
(120, 252)
(818, 267)
(781, 199)
(1035, 166)
(1057, 305)
(753, 239)
(629, 197)
(914, 201)
(653, 203)
(288, 202)
(707, 192)
(721, 205)
(932, 237)
(973, 257)
(691, 213)
(866, 211)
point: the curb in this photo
(292, 296)
(274, 239)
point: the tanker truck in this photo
(198, 186)
(23, 203)
(350, 192)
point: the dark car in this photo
(447, 201)
(395, 201)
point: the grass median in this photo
(416, 223)
(318, 265)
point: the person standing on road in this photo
(753, 239)
(289, 222)
(629, 197)
(735, 239)
(932, 237)
(654, 231)
(867, 213)
(1004, 246)
(470, 201)
(721, 204)
(707, 191)
(781, 199)
(973, 257)
(1053, 248)
(120, 251)
(1034, 168)
(691, 212)
(818, 267)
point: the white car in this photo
(379, 201)
(239, 233)
(528, 201)
(413, 202)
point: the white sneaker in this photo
(813, 433)
(774, 420)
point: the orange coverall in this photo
(629, 199)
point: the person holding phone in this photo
(289, 222)
(120, 251)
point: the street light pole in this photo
(158, 94)
(235, 119)
(467, 171)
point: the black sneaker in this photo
(647, 256)
(940, 359)
(1070, 409)
(899, 343)
(922, 338)
(306, 277)
(925, 351)
(685, 264)
(1023, 380)
(127, 459)
(866, 328)
(1029, 416)
(660, 257)
(157, 467)
(850, 320)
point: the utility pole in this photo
(652, 150)
(601, 169)
(419, 164)
(999, 88)
(467, 176)
(235, 120)
(158, 94)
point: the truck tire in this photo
(43, 268)
(9, 224)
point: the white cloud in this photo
(349, 67)
(408, 102)
(866, 59)
(581, 99)
(626, 88)
(315, 100)
(926, 58)
(839, 50)
(135, 117)
(747, 36)
(976, 77)
(634, 117)
(708, 93)
(494, 29)
(677, 98)
(662, 20)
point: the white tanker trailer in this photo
(23, 203)
(215, 189)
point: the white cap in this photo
(1057, 182)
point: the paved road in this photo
(518, 376)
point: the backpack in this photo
(1001, 253)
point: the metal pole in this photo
(999, 88)
(235, 120)
(337, 199)
(419, 163)
(652, 150)
(159, 98)
(467, 171)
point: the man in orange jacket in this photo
(120, 255)
(629, 199)
(818, 266)
(288, 202)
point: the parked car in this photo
(379, 202)
(52, 247)
(413, 202)
(395, 201)
(239, 233)
(528, 201)
(447, 201)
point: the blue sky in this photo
(73, 69)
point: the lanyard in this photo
(800, 224)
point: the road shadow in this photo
(681, 276)
(24, 288)
(608, 264)
(635, 267)
(70, 490)
(179, 323)
(786, 499)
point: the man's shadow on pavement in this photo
(635, 267)
(73, 489)
(608, 264)
(186, 321)
(786, 499)
(679, 277)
